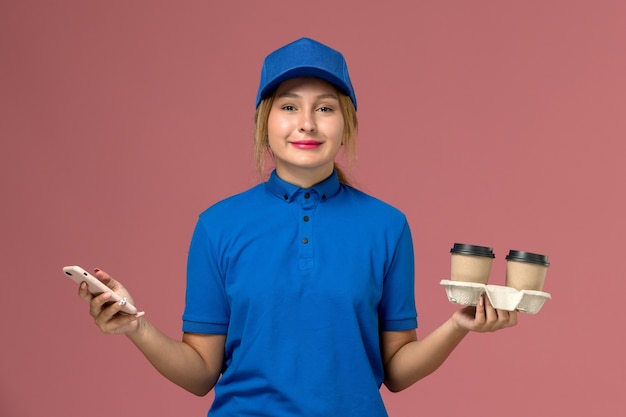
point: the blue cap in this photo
(304, 58)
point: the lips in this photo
(306, 144)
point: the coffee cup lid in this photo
(474, 250)
(521, 256)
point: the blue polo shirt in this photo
(301, 282)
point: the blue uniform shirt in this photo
(301, 281)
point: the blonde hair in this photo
(261, 140)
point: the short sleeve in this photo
(207, 309)
(397, 308)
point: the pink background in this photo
(498, 123)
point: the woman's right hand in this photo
(107, 315)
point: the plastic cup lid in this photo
(474, 250)
(521, 256)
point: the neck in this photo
(303, 178)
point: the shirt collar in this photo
(286, 191)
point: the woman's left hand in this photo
(484, 317)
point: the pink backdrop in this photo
(490, 122)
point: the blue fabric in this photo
(301, 281)
(304, 58)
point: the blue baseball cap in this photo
(304, 58)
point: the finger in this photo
(112, 321)
(479, 317)
(512, 319)
(491, 315)
(97, 303)
(107, 315)
(503, 319)
(83, 292)
(506, 319)
(104, 308)
(106, 279)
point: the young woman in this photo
(300, 297)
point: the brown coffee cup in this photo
(526, 270)
(470, 263)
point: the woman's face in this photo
(305, 129)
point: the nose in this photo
(307, 122)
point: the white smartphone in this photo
(96, 286)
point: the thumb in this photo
(106, 279)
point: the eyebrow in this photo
(320, 97)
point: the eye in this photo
(325, 109)
(288, 107)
